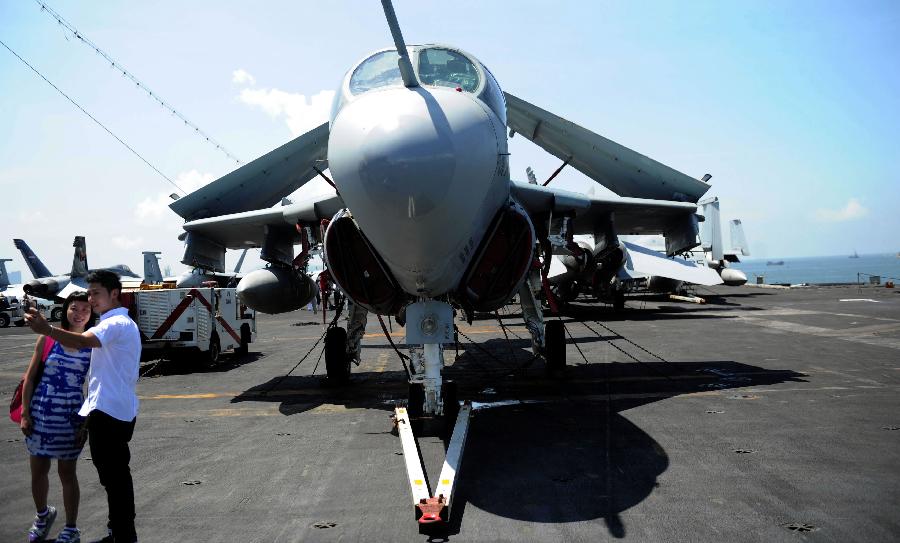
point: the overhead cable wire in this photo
(110, 132)
(118, 66)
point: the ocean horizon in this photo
(822, 269)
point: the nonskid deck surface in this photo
(764, 415)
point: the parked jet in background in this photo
(12, 296)
(60, 286)
(190, 279)
(711, 251)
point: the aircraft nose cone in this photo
(422, 171)
(402, 150)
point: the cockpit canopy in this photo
(436, 66)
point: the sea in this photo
(817, 270)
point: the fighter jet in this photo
(711, 251)
(60, 286)
(641, 267)
(191, 278)
(13, 295)
(425, 218)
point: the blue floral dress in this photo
(55, 404)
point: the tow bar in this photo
(433, 508)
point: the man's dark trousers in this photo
(109, 439)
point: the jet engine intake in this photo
(276, 289)
(358, 269)
(501, 263)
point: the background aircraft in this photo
(192, 278)
(711, 251)
(11, 297)
(59, 286)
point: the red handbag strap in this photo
(48, 346)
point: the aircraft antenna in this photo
(120, 140)
(65, 24)
(405, 65)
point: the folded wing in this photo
(618, 168)
(261, 183)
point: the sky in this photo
(793, 107)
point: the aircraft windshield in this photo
(446, 68)
(379, 70)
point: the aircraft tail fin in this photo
(38, 270)
(152, 273)
(738, 240)
(4, 275)
(240, 262)
(79, 259)
(711, 230)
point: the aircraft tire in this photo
(4, 320)
(416, 404)
(245, 341)
(56, 314)
(450, 397)
(212, 355)
(337, 363)
(20, 323)
(555, 346)
(619, 301)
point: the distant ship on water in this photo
(854, 255)
(781, 262)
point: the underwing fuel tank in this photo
(733, 277)
(424, 172)
(275, 290)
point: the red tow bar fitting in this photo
(431, 510)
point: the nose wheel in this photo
(555, 346)
(337, 363)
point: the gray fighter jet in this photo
(711, 251)
(425, 218)
(60, 286)
(192, 278)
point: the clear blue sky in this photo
(792, 106)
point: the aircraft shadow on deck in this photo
(634, 312)
(193, 363)
(564, 453)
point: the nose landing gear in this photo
(429, 325)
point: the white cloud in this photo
(241, 77)
(32, 217)
(300, 113)
(123, 242)
(155, 210)
(853, 210)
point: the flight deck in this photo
(761, 415)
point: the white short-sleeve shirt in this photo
(115, 365)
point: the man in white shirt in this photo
(111, 404)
